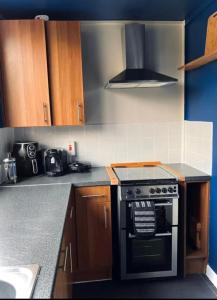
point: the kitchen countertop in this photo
(31, 222)
(190, 173)
(96, 176)
(32, 217)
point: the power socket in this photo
(71, 148)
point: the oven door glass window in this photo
(163, 217)
(149, 255)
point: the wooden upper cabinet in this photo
(23, 65)
(65, 72)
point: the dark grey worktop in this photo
(190, 173)
(31, 228)
(96, 176)
(32, 216)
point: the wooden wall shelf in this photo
(210, 49)
(199, 62)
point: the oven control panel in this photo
(151, 191)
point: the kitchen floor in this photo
(192, 287)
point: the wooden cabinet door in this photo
(23, 65)
(70, 234)
(93, 220)
(63, 282)
(65, 72)
(62, 287)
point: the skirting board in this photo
(211, 275)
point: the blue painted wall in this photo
(101, 9)
(201, 105)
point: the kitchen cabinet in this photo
(62, 287)
(64, 275)
(94, 237)
(65, 72)
(23, 65)
(41, 73)
(194, 220)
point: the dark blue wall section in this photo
(102, 9)
(201, 105)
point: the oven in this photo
(156, 256)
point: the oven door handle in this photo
(156, 204)
(163, 234)
(163, 204)
(133, 236)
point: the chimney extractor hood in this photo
(136, 75)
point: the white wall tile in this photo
(6, 141)
(198, 145)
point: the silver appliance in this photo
(9, 169)
(136, 75)
(156, 256)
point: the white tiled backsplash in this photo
(6, 141)
(107, 143)
(198, 145)
(188, 142)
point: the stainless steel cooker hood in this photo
(136, 75)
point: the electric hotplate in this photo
(144, 175)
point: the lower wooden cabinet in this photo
(63, 288)
(64, 275)
(194, 225)
(86, 250)
(93, 233)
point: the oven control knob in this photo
(152, 191)
(138, 191)
(164, 190)
(170, 189)
(158, 190)
(129, 192)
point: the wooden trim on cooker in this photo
(113, 177)
(136, 164)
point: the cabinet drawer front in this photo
(95, 192)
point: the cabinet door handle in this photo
(70, 254)
(71, 212)
(45, 112)
(80, 119)
(93, 196)
(105, 217)
(66, 258)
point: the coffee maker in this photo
(28, 159)
(55, 162)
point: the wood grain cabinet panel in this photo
(24, 75)
(65, 72)
(62, 286)
(94, 237)
(67, 257)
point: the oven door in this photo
(149, 258)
